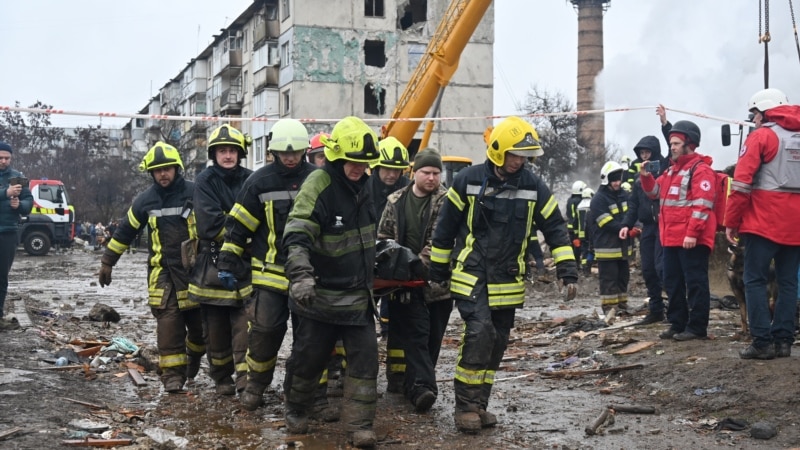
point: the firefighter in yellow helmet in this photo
(479, 247)
(386, 178)
(224, 314)
(330, 238)
(252, 250)
(166, 209)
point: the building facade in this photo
(320, 60)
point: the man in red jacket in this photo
(763, 209)
(687, 226)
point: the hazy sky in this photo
(694, 55)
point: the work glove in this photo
(105, 275)
(227, 280)
(576, 243)
(439, 272)
(303, 292)
(571, 289)
(439, 289)
(634, 232)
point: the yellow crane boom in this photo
(435, 69)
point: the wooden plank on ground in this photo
(80, 402)
(635, 347)
(90, 351)
(92, 442)
(6, 433)
(137, 378)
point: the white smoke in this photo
(690, 55)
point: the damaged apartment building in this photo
(320, 59)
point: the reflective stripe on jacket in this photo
(608, 208)
(330, 237)
(260, 214)
(485, 226)
(770, 214)
(686, 201)
(169, 217)
(214, 195)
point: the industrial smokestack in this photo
(591, 127)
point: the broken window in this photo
(287, 102)
(374, 53)
(415, 11)
(284, 9)
(373, 8)
(374, 99)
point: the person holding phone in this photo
(15, 201)
(644, 210)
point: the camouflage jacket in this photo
(392, 226)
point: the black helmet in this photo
(688, 129)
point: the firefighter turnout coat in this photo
(608, 208)
(168, 215)
(484, 228)
(261, 212)
(330, 237)
(214, 195)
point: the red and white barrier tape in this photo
(379, 121)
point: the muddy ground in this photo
(693, 386)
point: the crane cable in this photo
(764, 38)
(794, 27)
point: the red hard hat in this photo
(316, 144)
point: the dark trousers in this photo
(311, 351)
(8, 247)
(652, 266)
(485, 339)
(226, 342)
(418, 329)
(268, 326)
(179, 335)
(384, 314)
(614, 276)
(759, 252)
(686, 283)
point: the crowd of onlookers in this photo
(97, 235)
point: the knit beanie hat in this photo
(6, 147)
(428, 158)
(684, 138)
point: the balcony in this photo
(230, 102)
(230, 63)
(266, 77)
(268, 29)
(194, 87)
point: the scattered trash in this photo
(7, 433)
(763, 430)
(120, 345)
(88, 425)
(162, 436)
(560, 365)
(713, 390)
(61, 362)
(732, 424)
(68, 354)
(103, 313)
(605, 418)
(632, 409)
(635, 347)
